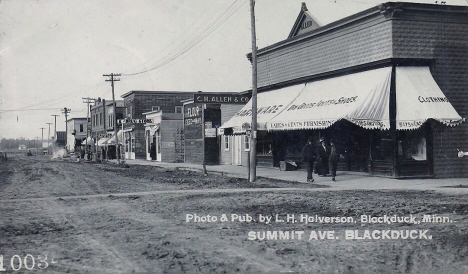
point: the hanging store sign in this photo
(210, 132)
(221, 98)
(134, 121)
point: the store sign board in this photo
(134, 121)
(193, 121)
(210, 132)
(221, 98)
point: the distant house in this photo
(77, 128)
(22, 147)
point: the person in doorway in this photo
(333, 158)
(308, 156)
(322, 154)
(153, 152)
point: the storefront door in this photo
(157, 140)
(129, 145)
(353, 142)
(149, 142)
(237, 150)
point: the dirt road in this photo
(80, 216)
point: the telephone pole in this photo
(253, 127)
(88, 100)
(48, 138)
(42, 143)
(112, 80)
(55, 124)
(55, 130)
(66, 111)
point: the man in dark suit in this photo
(333, 158)
(308, 156)
(322, 153)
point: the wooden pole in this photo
(253, 132)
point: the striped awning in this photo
(269, 104)
(419, 98)
(361, 98)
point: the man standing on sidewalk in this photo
(308, 156)
(333, 159)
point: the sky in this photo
(55, 52)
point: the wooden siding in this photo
(172, 141)
(353, 45)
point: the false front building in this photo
(137, 139)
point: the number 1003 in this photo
(28, 262)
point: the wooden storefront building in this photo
(388, 84)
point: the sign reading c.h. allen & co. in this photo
(221, 98)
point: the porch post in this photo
(393, 110)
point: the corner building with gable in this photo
(388, 84)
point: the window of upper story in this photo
(81, 128)
(155, 108)
(178, 109)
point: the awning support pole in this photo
(392, 109)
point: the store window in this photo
(226, 144)
(263, 143)
(383, 146)
(412, 145)
(246, 142)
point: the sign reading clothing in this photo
(221, 98)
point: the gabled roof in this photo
(305, 22)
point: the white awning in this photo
(88, 140)
(418, 98)
(101, 142)
(269, 104)
(361, 98)
(111, 141)
(151, 128)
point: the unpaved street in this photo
(51, 208)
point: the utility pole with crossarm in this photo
(112, 80)
(66, 111)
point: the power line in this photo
(176, 53)
(194, 24)
(177, 59)
(29, 109)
